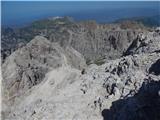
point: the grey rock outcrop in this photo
(27, 66)
(143, 105)
(74, 96)
(56, 84)
(144, 44)
(91, 39)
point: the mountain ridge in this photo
(48, 78)
(54, 30)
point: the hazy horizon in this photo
(19, 13)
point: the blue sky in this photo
(21, 12)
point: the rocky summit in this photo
(81, 71)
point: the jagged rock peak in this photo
(27, 66)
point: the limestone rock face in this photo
(94, 41)
(56, 84)
(91, 39)
(28, 65)
(144, 43)
(71, 95)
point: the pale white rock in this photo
(118, 86)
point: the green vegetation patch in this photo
(99, 61)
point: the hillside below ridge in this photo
(89, 38)
(50, 78)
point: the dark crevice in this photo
(112, 40)
(145, 105)
(155, 68)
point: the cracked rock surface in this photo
(44, 81)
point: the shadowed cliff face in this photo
(155, 68)
(145, 105)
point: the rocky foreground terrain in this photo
(83, 71)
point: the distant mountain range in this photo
(152, 21)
